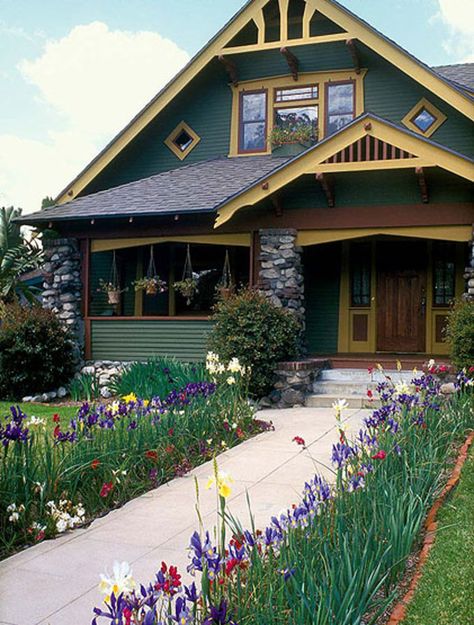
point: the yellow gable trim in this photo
(313, 161)
(106, 245)
(460, 234)
(355, 29)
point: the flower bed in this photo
(337, 556)
(55, 479)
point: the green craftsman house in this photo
(300, 151)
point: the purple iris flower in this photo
(219, 615)
(114, 610)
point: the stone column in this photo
(63, 287)
(469, 273)
(281, 271)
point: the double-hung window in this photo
(296, 113)
(253, 122)
(340, 105)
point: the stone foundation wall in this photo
(281, 270)
(62, 287)
(469, 274)
(293, 382)
(104, 371)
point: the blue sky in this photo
(69, 79)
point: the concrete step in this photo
(363, 376)
(326, 401)
(342, 389)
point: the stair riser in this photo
(354, 403)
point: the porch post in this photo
(281, 272)
(469, 273)
(62, 287)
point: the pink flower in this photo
(380, 455)
(106, 489)
(299, 441)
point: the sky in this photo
(73, 73)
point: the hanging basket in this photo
(188, 285)
(152, 284)
(225, 287)
(112, 288)
(113, 297)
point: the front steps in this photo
(351, 385)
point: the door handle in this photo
(423, 305)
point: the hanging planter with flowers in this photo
(111, 287)
(188, 285)
(152, 284)
(225, 287)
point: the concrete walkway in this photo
(55, 582)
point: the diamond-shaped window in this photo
(182, 140)
(424, 120)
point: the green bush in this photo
(460, 334)
(248, 326)
(36, 352)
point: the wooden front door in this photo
(401, 296)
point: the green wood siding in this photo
(142, 339)
(322, 267)
(206, 104)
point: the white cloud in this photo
(95, 80)
(458, 15)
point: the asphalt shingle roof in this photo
(193, 188)
(462, 74)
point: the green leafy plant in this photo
(17, 256)
(187, 288)
(36, 352)
(84, 386)
(250, 327)
(298, 133)
(156, 377)
(460, 334)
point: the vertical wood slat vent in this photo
(369, 149)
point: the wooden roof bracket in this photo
(351, 46)
(277, 205)
(231, 69)
(420, 174)
(292, 61)
(328, 189)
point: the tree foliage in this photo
(18, 255)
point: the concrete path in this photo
(55, 582)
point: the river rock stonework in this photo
(469, 274)
(293, 382)
(62, 287)
(281, 271)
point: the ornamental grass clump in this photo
(336, 556)
(55, 479)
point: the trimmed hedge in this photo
(460, 334)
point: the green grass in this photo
(42, 411)
(445, 595)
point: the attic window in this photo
(424, 118)
(182, 140)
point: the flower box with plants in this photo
(54, 478)
(336, 556)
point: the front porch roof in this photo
(226, 185)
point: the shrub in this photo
(36, 352)
(460, 334)
(250, 327)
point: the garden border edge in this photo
(431, 525)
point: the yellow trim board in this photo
(431, 108)
(170, 141)
(355, 29)
(106, 245)
(442, 233)
(313, 161)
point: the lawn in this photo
(445, 595)
(42, 411)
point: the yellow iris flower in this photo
(222, 482)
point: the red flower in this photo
(95, 464)
(40, 536)
(239, 432)
(471, 369)
(171, 432)
(57, 431)
(299, 441)
(127, 613)
(56, 418)
(151, 455)
(370, 395)
(170, 449)
(370, 370)
(380, 455)
(106, 489)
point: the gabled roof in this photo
(421, 152)
(355, 27)
(461, 74)
(191, 189)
